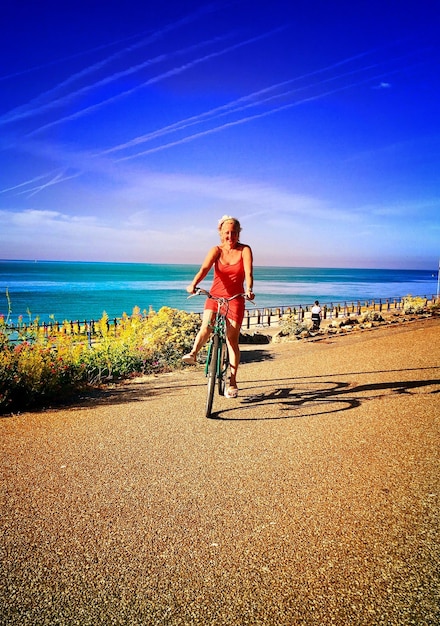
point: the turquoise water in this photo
(73, 291)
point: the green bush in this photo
(31, 374)
(42, 367)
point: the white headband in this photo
(224, 219)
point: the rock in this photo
(349, 322)
(255, 338)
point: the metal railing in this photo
(329, 310)
(255, 317)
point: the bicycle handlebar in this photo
(199, 291)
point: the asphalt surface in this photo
(311, 499)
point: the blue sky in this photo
(127, 129)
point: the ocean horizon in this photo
(82, 290)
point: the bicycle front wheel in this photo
(223, 368)
(212, 374)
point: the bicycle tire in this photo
(212, 374)
(224, 362)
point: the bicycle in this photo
(217, 360)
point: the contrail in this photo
(27, 182)
(155, 79)
(254, 99)
(251, 100)
(24, 110)
(56, 177)
(107, 80)
(59, 178)
(83, 53)
(251, 118)
(38, 104)
(35, 190)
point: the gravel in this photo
(311, 499)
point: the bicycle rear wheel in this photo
(212, 373)
(224, 363)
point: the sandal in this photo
(231, 392)
(189, 359)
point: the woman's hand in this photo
(250, 295)
(191, 288)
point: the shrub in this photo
(372, 316)
(434, 307)
(31, 374)
(414, 304)
(43, 367)
(291, 327)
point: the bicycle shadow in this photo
(314, 398)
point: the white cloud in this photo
(137, 215)
(54, 235)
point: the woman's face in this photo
(229, 233)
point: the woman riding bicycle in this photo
(233, 265)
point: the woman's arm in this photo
(248, 271)
(204, 269)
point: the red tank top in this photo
(228, 281)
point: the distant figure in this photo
(316, 315)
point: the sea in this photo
(58, 291)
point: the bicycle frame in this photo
(218, 328)
(217, 360)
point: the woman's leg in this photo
(232, 338)
(204, 332)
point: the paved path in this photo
(312, 499)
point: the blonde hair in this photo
(229, 218)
